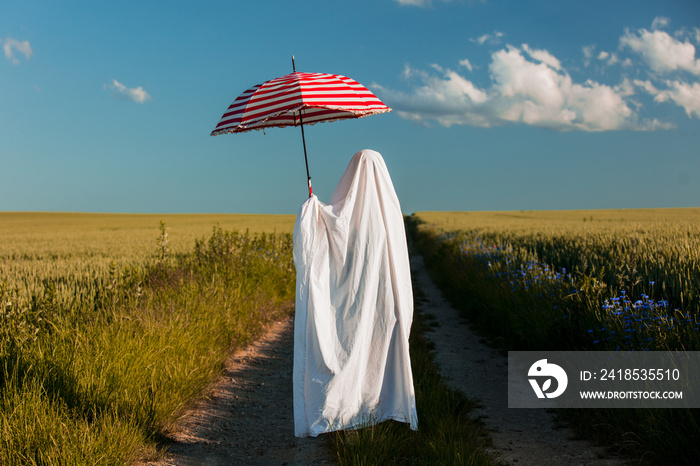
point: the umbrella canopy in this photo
(297, 99)
(279, 102)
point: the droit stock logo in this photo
(544, 372)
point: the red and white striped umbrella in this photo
(299, 99)
(322, 97)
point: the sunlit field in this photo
(61, 238)
(580, 280)
(67, 247)
(110, 325)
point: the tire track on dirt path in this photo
(520, 436)
(246, 416)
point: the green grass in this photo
(97, 362)
(505, 271)
(447, 434)
(110, 326)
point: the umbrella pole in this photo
(306, 159)
(303, 139)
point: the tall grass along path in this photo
(519, 436)
(625, 280)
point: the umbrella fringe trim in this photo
(251, 126)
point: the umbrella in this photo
(299, 99)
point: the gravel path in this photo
(246, 417)
(520, 436)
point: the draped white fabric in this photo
(354, 306)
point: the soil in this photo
(519, 436)
(246, 417)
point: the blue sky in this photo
(497, 105)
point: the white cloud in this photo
(527, 86)
(625, 88)
(467, 64)
(11, 45)
(494, 38)
(543, 56)
(647, 86)
(615, 59)
(686, 95)
(530, 86)
(421, 3)
(660, 22)
(610, 58)
(413, 2)
(538, 94)
(137, 94)
(683, 94)
(440, 98)
(662, 52)
(587, 54)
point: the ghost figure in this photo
(354, 306)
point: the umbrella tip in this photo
(294, 67)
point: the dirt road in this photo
(520, 436)
(246, 417)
